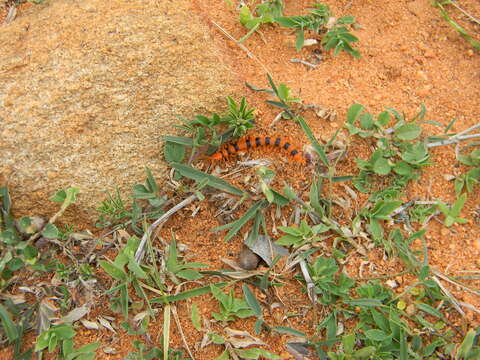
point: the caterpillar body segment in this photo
(248, 142)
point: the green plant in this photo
(63, 335)
(452, 213)
(297, 236)
(419, 213)
(128, 277)
(380, 212)
(463, 33)
(230, 307)
(240, 117)
(348, 353)
(267, 12)
(178, 270)
(327, 284)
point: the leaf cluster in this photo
(318, 20)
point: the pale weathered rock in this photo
(89, 87)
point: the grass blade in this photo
(318, 148)
(8, 325)
(186, 294)
(166, 331)
(212, 181)
(237, 225)
(252, 301)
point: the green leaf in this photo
(288, 330)
(113, 270)
(364, 352)
(318, 148)
(136, 269)
(237, 225)
(213, 181)
(195, 316)
(466, 345)
(256, 353)
(186, 294)
(189, 274)
(50, 231)
(458, 205)
(300, 39)
(67, 197)
(429, 310)
(381, 166)
(174, 152)
(179, 140)
(11, 331)
(376, 335)
(408, 131)
(353, 112)
(252, 301)
(224, 355)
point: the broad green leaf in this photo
(195, 316)
(300, 39)
(50, 231)
(466, 345)
(11, 331)
(408, 131)
(353, 112)
(174, 152)
(429, 310)
(382, 167)
(113, 270)
(189, 274)
(376, 335)
(256, 353)
(252, 301)
(179, 140)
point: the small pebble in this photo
(248, 260)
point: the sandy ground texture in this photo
(410, 56)
(88, 89)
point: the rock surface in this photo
(88, 88)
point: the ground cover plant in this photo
(306, 236)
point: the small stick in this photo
(470, 16)
(303, 62)
(457, 138)
(179, 326)
(447, 293)
(448, 279)
(277, 118)
(141, 248)
(241, 46)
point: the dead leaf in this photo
(300, 350)
(241, 339)
(267, 250)
(90, 325)
(74, 315)
(106, 324)
(45, 315)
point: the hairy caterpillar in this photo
(248, 142)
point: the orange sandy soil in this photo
(410, 56)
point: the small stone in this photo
(470, 52)
(248, 260)
(444, 231)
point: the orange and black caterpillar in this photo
(248, 142)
